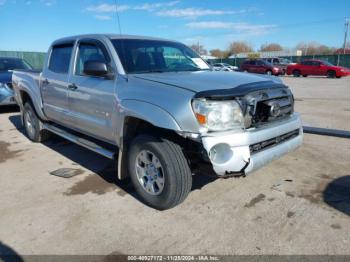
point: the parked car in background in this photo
(224, 67)
(317, 67)
(280, 62)
(260, 66)
(155, 107)
(7, 64)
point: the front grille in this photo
(267, 105)
(255, 148)
(273, 109)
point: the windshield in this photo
(327, 63)
(7, 64)
(146, 56)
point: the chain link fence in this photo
(341, 60)
(35, 59)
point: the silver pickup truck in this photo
(158, 109)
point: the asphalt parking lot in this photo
(299, 204)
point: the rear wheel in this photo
(304, 75)
(32, 125)
(159, 171)
(296, 73)
(331, 74)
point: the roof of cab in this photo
(110, 36)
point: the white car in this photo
(224, 67)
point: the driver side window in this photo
(88, 52)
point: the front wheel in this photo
(32, 125)
(296, 73)
(331, 74)
(159, 171)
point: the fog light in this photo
(220, 153)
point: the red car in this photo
(260, 66)
(317, 68)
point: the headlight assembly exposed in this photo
(218, 115)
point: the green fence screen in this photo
(341, 60)
(35, 59)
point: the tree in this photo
(199, 49)
(314, 48)
(240, 47)
(253, 55)
(219, 53)
(271, 47)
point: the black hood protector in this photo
(239, 91)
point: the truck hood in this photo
(206, 80)
(5, 77)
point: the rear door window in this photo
(60, 58)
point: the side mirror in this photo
(96, 68)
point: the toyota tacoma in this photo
(158, 109)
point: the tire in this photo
(304, 75)
(296, 73)
(269, 72)
(32, 125)
(338, 76)
(168, 166)
(331, 74)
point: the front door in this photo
(91, 99)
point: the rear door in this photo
(55, 82)
(260, 67)
(91, 99)
(252, 68)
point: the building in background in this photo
(283, 53)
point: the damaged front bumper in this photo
(242, 153)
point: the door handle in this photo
(46, 82)
(73, 87)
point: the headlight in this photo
(218, 115)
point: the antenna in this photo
(121, 36)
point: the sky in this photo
(31, 25)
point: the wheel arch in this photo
(25, 97)
(142, 117)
